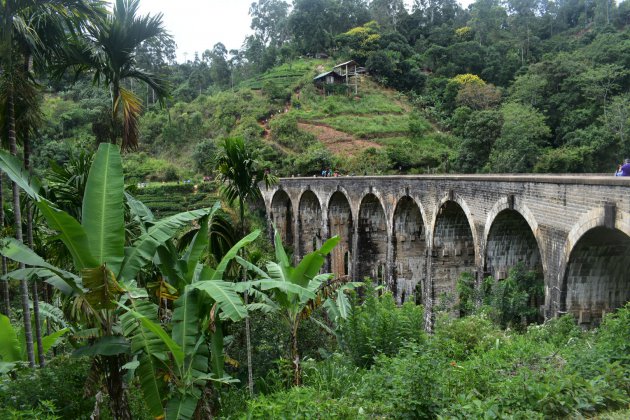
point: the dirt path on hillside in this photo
(337, 141)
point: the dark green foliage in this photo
(479, 131)
(472, 369)
(284, 130)
(204, 155)
(511, 302)
(378, 326)
(62, 383)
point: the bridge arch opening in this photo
(372, 240)
(511, 244)
(282, 216)
(309, 223)
(511, 241)
(340, 224)
(410, 251)
(596, 278)
(453, 252)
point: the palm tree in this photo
(22, 23)
(240, 175)
(108, 48)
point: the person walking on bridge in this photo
(625, 168)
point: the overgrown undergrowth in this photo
(469, 368)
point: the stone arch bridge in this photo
(418, 234)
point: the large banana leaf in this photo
(103, 212)
(231, 254)
(109, 345)
(170, 266)
(181, 407)
(155, 328)
(10, 349)
(140, 212)
(216, 342)
(68, 286)
(186, 321)
(312, 263)
(283, 286)
(17, 251)
(71, 234)
(152, 357)
(145, 247)
(281, 255)
(70, 231)
(152, 386)
(224, 294)
(197, 247)
(12, 166)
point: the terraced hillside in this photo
(166, 199)
(376, 121)
(296, 128)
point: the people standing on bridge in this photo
(625, 168)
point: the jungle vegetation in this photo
(118, 304)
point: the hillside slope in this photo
(363, 132)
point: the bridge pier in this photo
(416, 235)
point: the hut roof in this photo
(347, 63)
(323, 75)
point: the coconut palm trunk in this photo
(18, 232)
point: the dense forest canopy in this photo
(516, 86)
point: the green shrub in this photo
(511, 302)
(459, 339)
(335, 375)
(62, 383)
(406, 386)
(302, 403)
(378, 326)
(45, 410)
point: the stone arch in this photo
(454, 248)
(510, 238)
(382, 201)
(594, 269)
(281, 215)
(372, 240)
(523, 211)
(409, 250)
(340, 224)
(309, 223)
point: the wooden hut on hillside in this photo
(350, 72)
(328, 78)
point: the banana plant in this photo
(294, 291)
(179, 354)
(13, 348)
(106, 268)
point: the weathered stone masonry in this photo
(417, 234)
